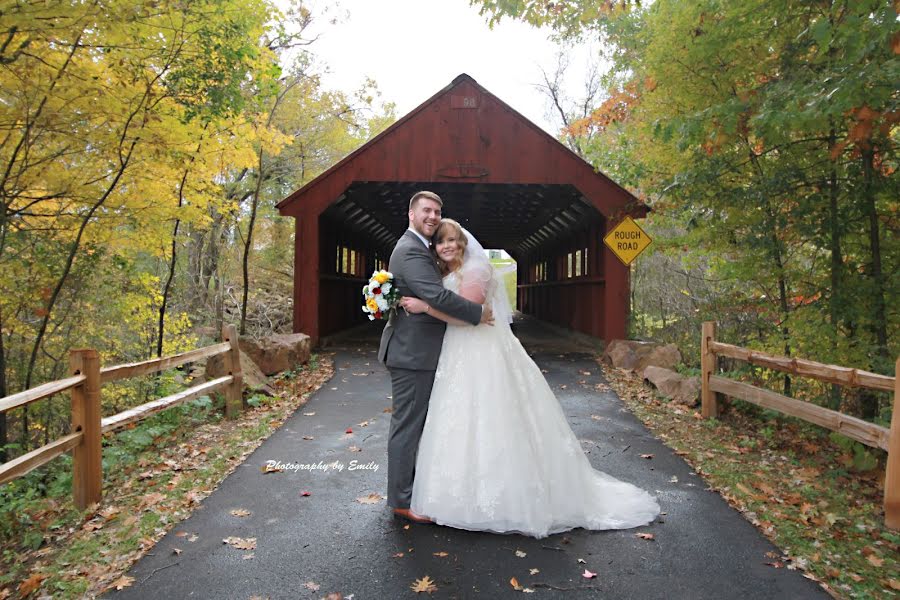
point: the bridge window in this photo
(348, 261)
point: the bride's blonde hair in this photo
(461, 240)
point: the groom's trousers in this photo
(411, 391)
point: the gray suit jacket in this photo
(414, 341)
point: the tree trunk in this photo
(879, 324)
(4, 435)
(248, 245)
(835, 303)
(173, 260)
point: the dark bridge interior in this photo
(551, 231)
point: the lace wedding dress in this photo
(497, 453)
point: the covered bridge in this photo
(501, 176)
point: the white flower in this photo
(385, 288)
(381, 302)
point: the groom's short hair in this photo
(425, 194)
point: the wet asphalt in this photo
(328, 540)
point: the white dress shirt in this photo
(421, 237)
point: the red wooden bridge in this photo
(505, 179)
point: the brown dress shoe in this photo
(406, 513)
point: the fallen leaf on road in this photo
(645, 536)
(193, 538)
(777, 564)
(647, 456)
(248, 556)
(309, 414)
(270, 469)
(515, 584)
(398, 555)
(349, 430)
(534, 571)
(520, 554)
(122, 582)
(588, 575)
(241, 543)
(582, 561)
(176, 551)
(423, 585)
(305, 493)
(312, 586)
(373, 498)
(241, 512)
(308, 437)
(440, 554)
(354, 449)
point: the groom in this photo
(411, 344)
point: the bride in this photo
(497, 453)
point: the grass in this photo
(155, 475)
(805, 489)
(509, 279)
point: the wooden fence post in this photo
(892, 472)
(87, 474)
(234, 402)
(708, 407)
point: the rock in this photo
(253, 377)
(682, 390)
(637, 356)
(667, 357)
(277, 352)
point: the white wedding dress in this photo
(497, 453)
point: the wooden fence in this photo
(86, 378)
(869, 434)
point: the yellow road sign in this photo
(627, 240)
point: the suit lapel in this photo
(418, 245)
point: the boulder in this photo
(682, 390)
(277, 352)
(637, 356)
(253, 377)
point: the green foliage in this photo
(864, 458)
(136, 136)
(763, 135)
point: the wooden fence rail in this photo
(88, 426)
(862, 431)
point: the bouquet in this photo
(380, 297)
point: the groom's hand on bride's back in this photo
(487, 315)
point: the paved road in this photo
(702, 547)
